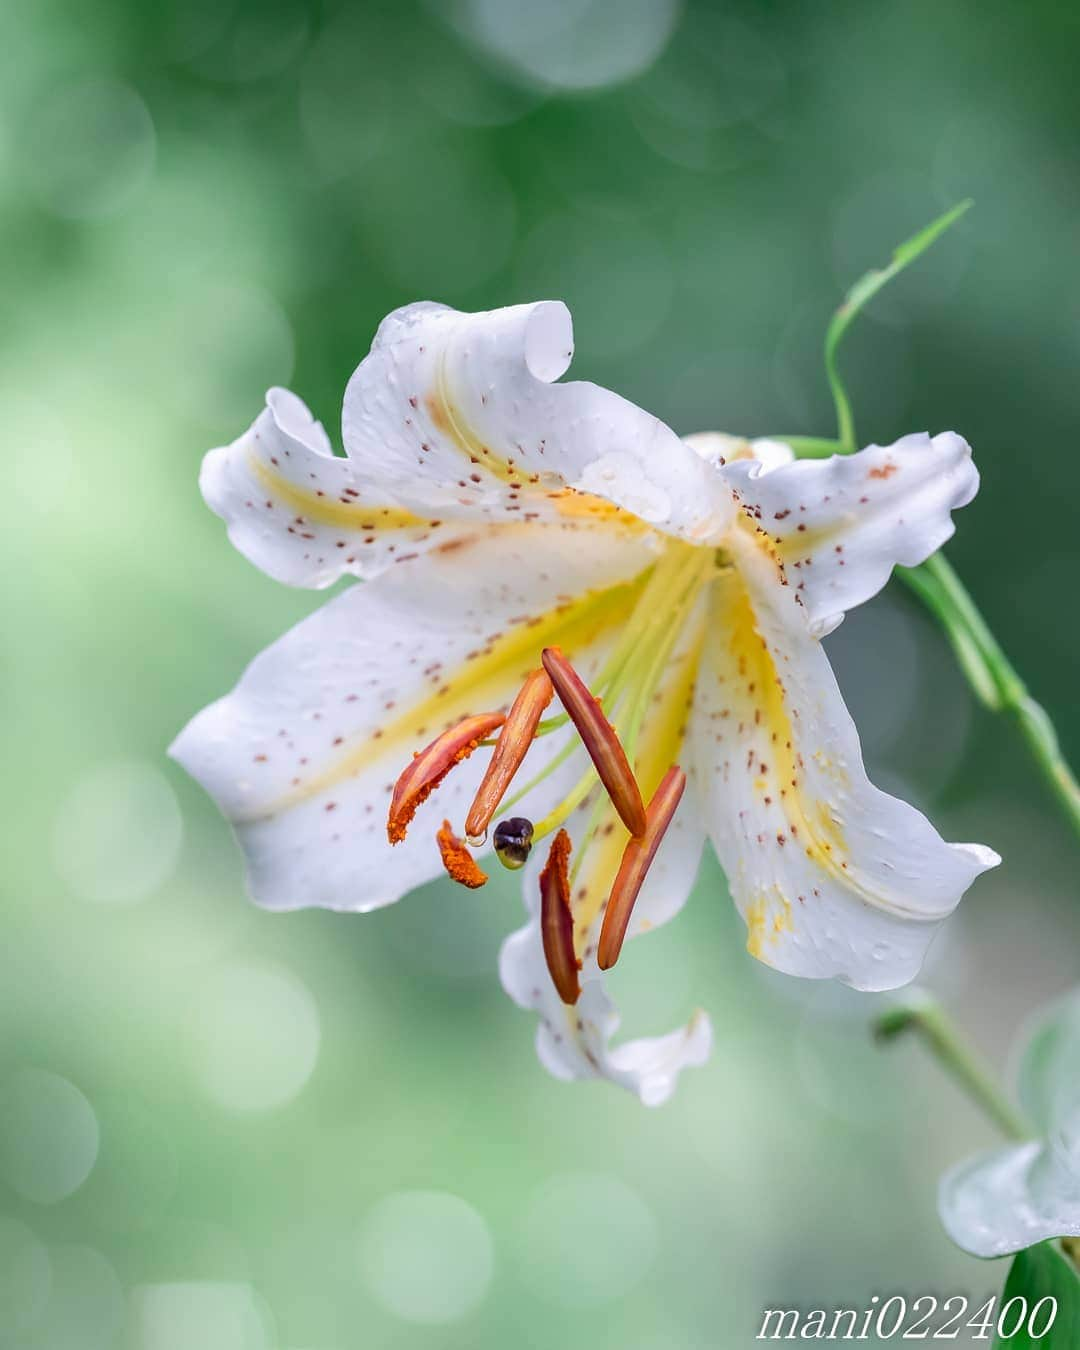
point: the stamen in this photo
(513, 841)
(431, 765)
(636, 860)
(510, 749)
(557, 923)
(458, 861)
(599, 739)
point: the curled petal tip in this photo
(599, 739)
(636, 861)
(430, 766)
(510, 749)
(557, 923)
(460, 865)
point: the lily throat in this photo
(629, 719)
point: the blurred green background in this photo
(226, 1130)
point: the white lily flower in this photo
(1010, 1198)
(502, 522)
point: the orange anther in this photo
(510, 749)
(431, 765)
(458, 861)
(599, 738)
(556, 921)
(636, 860)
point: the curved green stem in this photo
(943, 1038)
(990, 673)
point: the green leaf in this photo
(1042, 1272)
(1049, 1076)
(859, 296)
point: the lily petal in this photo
(839, 525)
(302, 756)
(575, 1042)
(465, 409)
(833, 877)
(718, 448)
(1002, 1201)
(302, 514)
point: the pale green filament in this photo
(634, 671)
(640, 701)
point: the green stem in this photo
(942, 1037)
(989, 671)
(992, 674)
(810, 447)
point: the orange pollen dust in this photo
(431, 765)
(519, 728)
(458, 861)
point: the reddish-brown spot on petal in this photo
(431, 765)
(636, 861)
(557, 923)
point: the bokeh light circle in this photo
(25, 1276)
(617, 280)
(86, 1304)
(208, 1314)
(257, 1036)
(118, 833)
(426, 1256)
(573, 44)
(90, 147)
(586, 1239)
(222, 346)
(49, 1135)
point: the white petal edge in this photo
(575, 1043)
(1003, 1201)
(840, 525)
(467, 408)
(303, 515)
(718, 448)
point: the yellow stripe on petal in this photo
(345, 509)
(481, 683)
(767, 917)
(753, 671)
(448, 418)
(571, 504)
(758, 686)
